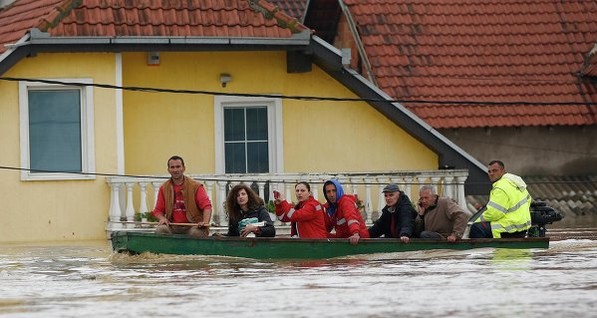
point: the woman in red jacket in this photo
(307, 217)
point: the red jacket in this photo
(347, 220)
(307, 218)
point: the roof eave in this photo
(35, 42)
(330, 59)
(42, 38)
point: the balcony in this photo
(130, 195)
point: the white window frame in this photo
(87, 130)
(274, 125)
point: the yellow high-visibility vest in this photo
(508, 208)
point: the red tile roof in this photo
(590, 68)
(483, 50)
(207, 18)
(294, 8)
(21, 16)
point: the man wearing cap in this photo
(397, 217)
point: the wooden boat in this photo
(289, 248)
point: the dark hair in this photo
(501, 164)
(232, 207)
(305, 183)
(175, 158)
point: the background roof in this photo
(496, 52)
(213, 18)
(479, 50)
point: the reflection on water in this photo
(87, 280)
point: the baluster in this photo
(220, 217)
(435, 182)
(115, 211)
(449, 187)
(381, 201)
(287, 190)
(130, 209)
(461, 198)
(156, 189)
(261, 187)
(407, 185)
(348, 186)
(143, 198)
(419, 181)
(353, 182)
(368, 200)
(315, 188)
(209, 187)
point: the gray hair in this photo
(429, 188)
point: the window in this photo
(56, 131)
(248, 135)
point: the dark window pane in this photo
(55, 130)
(235, 158)
(257, 123)
(234, 124)
(258, 160)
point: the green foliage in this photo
(271, 207)
(140, 215)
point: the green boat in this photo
(289, 248)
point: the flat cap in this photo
(392, 187)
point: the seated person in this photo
(397, 217)
(342, 213)
(441, 218)
(246, 212)
(307, 217)
(182, 200)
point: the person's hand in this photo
(279, 199)
(202, 224)
(250, 228)
(163, 220)
(405, 239)
(452, 238)
(354, 239)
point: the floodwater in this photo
(87, 280)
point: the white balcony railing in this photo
(130, 195)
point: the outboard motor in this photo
(541, 215)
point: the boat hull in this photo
(288, 248)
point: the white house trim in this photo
(87, 130)
(275, 129)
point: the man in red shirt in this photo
(182, 200)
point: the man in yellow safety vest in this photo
(508, 210)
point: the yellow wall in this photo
(56, 210)
(342, 136)
(338, 136)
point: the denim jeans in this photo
(481, 230)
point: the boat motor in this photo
(541, 215)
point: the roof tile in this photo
(486, 51)
(217, 18)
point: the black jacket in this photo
(404, 219)
(262, 215)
